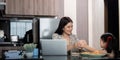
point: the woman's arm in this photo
(69, 47)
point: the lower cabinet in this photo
(2, 48)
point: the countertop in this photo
(9, 44)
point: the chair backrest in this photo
(47, 27)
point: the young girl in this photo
(109, 44)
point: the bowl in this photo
(29, 54)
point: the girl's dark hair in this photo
(64, 21)
(112, 43)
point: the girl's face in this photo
(102, 44)
(68, 28)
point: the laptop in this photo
(55, 57)
(53, 47)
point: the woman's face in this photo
(68, 28)
(102, 44)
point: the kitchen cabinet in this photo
(35, 7)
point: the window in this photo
(19, 27)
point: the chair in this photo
(47, 27)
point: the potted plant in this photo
(29, 49)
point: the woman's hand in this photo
(81, 44)
(69, 47)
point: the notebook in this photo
(53, 47)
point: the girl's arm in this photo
(89, 48)
(83, 44)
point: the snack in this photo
(96, 52)
(92, 54)
(85, 53)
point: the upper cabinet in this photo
(35, 7)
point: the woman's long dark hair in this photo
(64, 21)
(112, 43)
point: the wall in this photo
(70, 10)
(96, 22)
(82, 19)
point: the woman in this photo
(64, 31)
(109, 44)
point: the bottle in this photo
(35, 53)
